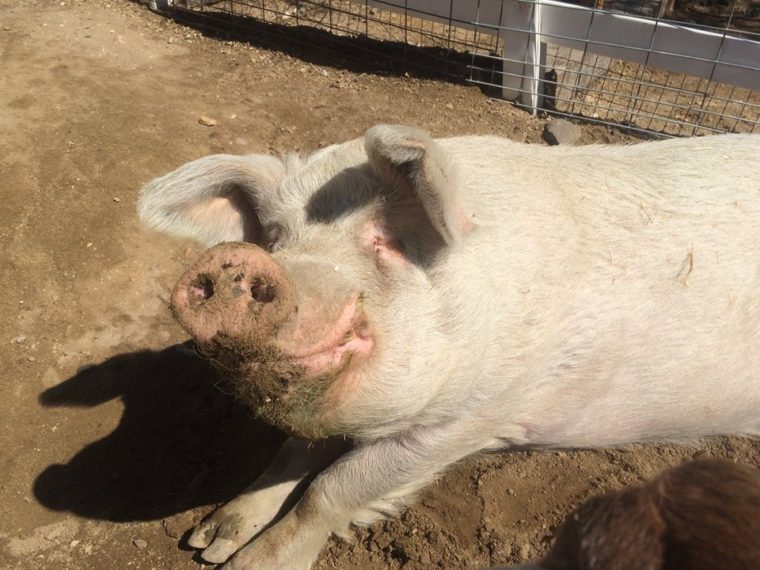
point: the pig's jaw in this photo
(289, 389)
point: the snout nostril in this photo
(202, 287)
(262, 291)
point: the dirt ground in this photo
(114, 438)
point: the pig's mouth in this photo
(287, 387)
(349, 337)
(291, 348)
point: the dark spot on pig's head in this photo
(275, 237)
(349, 190)
(398, 213)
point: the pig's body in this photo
(488, 294)
(610, 294)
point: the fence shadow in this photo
(180, 443)
(359, 54)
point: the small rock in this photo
(19, 339)
(117, 200)
(31, 358)
(560, 131)
(524, 551)
(207, 121)
(140, 543)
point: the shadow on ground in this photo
(359, 54)
(181, 441)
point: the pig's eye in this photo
(388, 249)
(273, 237)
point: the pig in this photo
(701, 515)
(425, 299)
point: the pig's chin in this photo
(288, 389)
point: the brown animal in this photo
(702, 515)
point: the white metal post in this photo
(520, 56)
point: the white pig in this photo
(432, 298)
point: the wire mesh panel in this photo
(687, 75)
(675, 67)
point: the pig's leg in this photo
(234, 524)
(362, 486)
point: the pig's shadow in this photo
(181, 442)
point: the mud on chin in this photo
(281, 392)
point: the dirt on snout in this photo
(115, 438)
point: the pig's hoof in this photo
(288, 545)
(220, 550)
(229, 528)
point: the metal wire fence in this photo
(672, 67)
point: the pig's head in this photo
(325, 266)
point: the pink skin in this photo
(231, 288)
(350, 335)
(239, 291)
(383, 244)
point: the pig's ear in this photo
(214, 199)
(408, 160)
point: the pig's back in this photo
(627, 285)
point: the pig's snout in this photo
(233, 283)
(235, 290)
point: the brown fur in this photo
(703, 515)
